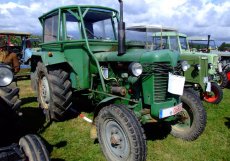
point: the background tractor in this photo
(208, 45)
(200, 75)
(30, 147)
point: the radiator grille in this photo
(160, 72)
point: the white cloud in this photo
(189, 16)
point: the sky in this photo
(192, 17)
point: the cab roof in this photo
(75, 7)
(150, 28)
(199, 38)
(170, 33)
(16, 33)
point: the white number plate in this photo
(176, 84)
(170, 111)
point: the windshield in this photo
(183, 43)
(165, 42)
(100, 24)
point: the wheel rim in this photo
(220, 81)
(185, 119)
(115, 140)
(44, 92)
(211, 96)
(228, 75)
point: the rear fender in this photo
(49, 58)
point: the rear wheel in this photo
(227, 72)
(33, 148)
(54, 91)
(215, 96)
(120, 134)
(191, 121)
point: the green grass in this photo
(70, 140)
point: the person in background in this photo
(10, 58)
(28, 52)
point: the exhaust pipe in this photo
(208, 43)
(121, 32)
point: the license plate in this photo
(176, 84)
(170, 111)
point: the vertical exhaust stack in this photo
(208, 43)
(121, 32)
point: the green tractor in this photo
(202, 74)
(208, 45)
(82, 58)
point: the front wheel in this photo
(223, 82)
(33, 148)
(120, 134)
(215, 96)
(191, 121)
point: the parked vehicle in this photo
(30, 147)
(16, 42)
(208, 45)
(127, 85)
(199, 75)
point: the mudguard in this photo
(50, 58)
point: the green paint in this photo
(91, 58)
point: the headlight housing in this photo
(136, 69)
(197, 66)
(6, 75)
(185, 65)
(210, 65)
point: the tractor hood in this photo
(140, 55)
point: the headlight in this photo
(197, 66)
(136, 69)
(185, 65)
(6, 76)
(210, 65)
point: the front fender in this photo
(105, 102)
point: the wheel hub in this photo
(116, 140)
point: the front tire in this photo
(191, 120)
(10, 96)
(54, 91)
(120, 134)
(215, 96)
(33, 148)
(223, 82)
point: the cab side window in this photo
(51, 28)
(72, 27)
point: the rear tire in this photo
(227, 72)
(191, 120)
(54, 91)
(120, 134)
(215, 96)
(33, 148)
